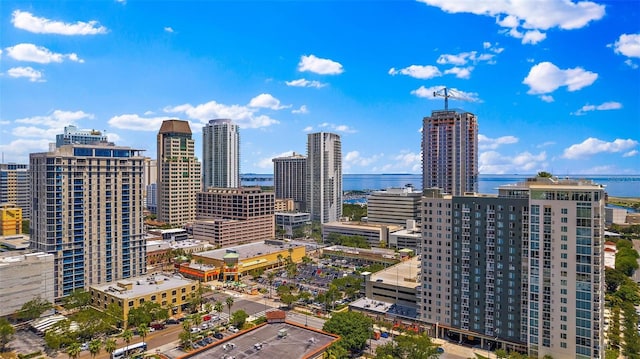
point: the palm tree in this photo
(270, 276)
(208, 307)
(74, 350)
(110, 346)
(229, 301)
(143, 329)
(218, 306)
(94, 347)
(127, 335)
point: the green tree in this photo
(6, 333)
(127, 335)
(270, 277)
(110, 346)
(337, 351)
(354, 329)
(229, 302)
(33, 309)
(218, 306)
(239, 317)
(143, 330)
(613, 278)
(501, 353)
(138, 316)
(79, 298)
(544, 174)
(25, 226)
(114, 314)
(94, 347)
(74, 350)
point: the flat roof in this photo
(144, 285)
(404, 274)
(298, 343)
(248, 250)
(380, 307)
(362, 225)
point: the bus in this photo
(129, 350)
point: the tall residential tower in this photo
(14, 186)
(220, 154)
(324, 176)
(87, 211)
(178, 173)
(450, 151)
(289, 179)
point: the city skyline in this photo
(544, 100)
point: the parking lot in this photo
(26, 342)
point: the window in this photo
(131, 303)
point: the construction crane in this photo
(447, 94)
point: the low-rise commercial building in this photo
(10, 219)
(171, 234)
(172, 292)
(290, 221)
(394, 205)
(361, 256)
(23, 278)
(284, 205)
(614, 215)
(251, 256)
(376, 235)
(408, 238)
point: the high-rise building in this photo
(72, 135)
(523, 270)
(87, 212)
(220, 154)
(394, 206)
(324, 176)
(230, 216)
(178, 173)
(450, 151)
(289, 179)
(14, 186)
(563, 263)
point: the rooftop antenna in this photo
(449, 93)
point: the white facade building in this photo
(220, 154)
(324, 176)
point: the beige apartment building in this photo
(228, 216)
(394, 206)
(88, 212)
(24, 277)
(178, 173)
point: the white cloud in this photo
(244, 116)
(631, 64)
(320, 66)
(528, 17)
(353, 159)
(630, 153)
(337, 128)
(459, 59)
(427, 92)
(39, 54)
(168, 29)
(460, 72)
(495, 163)
(137, 123)
(40, 25)
(533, 37)
(305, 83)
(267, 161)
(265, 100)
(485, 143)
(417, 71)
(611, 105)
(592, 146)
(20, 148)
(302, 110)
(628, 45)
(28, 72)
(546, 77)
(546, 144)
(547, 98)
(307, 129)
(57, 119)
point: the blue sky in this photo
(555, 83)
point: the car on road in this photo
(172, 321)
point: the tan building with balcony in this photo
(171, 292)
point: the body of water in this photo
(616, 185)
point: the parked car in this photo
(195, 330)
(158, 326)
(172, 321)
(218, 335)
(233, 329)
